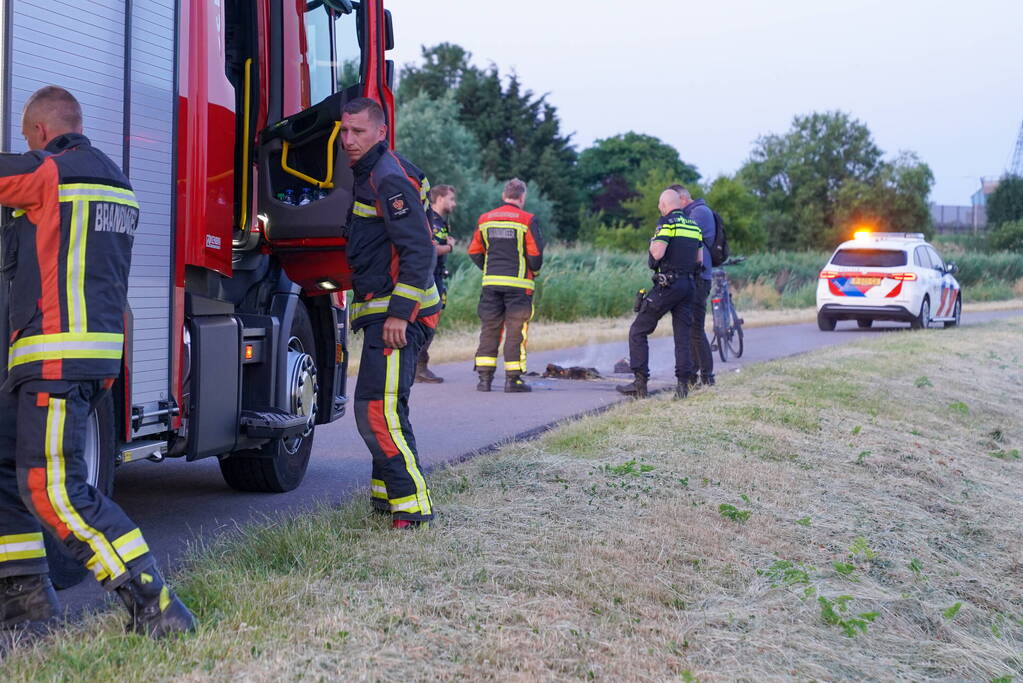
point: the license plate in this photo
(874, 281)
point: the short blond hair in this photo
(514, 189)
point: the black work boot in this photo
(486, 379)
(27, 603)
(513, 384)
(425, 376)
(155, 610)
(707, 380)
(636, 387)
(682, 388)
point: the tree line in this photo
(475, 127)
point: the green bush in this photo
(1007, 236)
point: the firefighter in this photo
(66, 260)
(676, 259)
(508, 247)
(442, 202)
(396, 306)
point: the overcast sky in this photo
(940, 78)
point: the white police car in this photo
(888, 276)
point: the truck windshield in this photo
(871, 258)
(318, 54)
(347, 50)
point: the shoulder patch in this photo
(397, 206)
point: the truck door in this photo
(305, 183)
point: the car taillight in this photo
(828, 274)
(904, 277)
(715, 301)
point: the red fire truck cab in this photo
(224, 114)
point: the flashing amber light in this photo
(862, 234)
(249, 352)
(903, 277)
(829, 274)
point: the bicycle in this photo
(727, 323)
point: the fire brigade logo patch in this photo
(397, 207)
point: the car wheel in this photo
(923, 319)
(825, 324)
(957, 313)
(864, 323)
(100, 443)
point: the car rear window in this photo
(871, 258)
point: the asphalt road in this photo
(175, 502)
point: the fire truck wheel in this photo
(280, 465)
(100, 444)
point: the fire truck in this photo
(224, 114)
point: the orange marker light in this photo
(249, 353)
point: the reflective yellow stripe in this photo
(431, 297)
(424, 193)
(515, 366)
(515, 225)
(394, 427)
(131, 546)
(66, 345)
(507, 281)
(364, 308)
(105, 563)
(22, 547)
(18, 213)
(409, 292)
(93, 192)
(406, 504)
(486, 362)
(76, 311)
(365, 210)
(377, 489)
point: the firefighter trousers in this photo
(442, 289)
(703, 359)
(677, 300)
(504, 311)
(381, 413)
(44, 483)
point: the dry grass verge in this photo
(849, 514)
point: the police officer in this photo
(675, 257)
(508, 247)
(442, 203)
(66, 261)
(396, 306)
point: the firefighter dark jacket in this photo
(508, 247)
(67, 254)
(390, 247)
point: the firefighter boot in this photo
(27, 602)
(425, 376)
(486, 379)
(636, 387)
(155, 610)
(513, 384)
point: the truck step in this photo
(272, 423)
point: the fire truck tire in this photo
(100, 446)
(279, 466)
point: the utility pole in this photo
(1016, 168)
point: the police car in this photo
(888, 276)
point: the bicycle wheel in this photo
(735, 342)
(720, 329)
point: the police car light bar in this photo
(891, 235)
